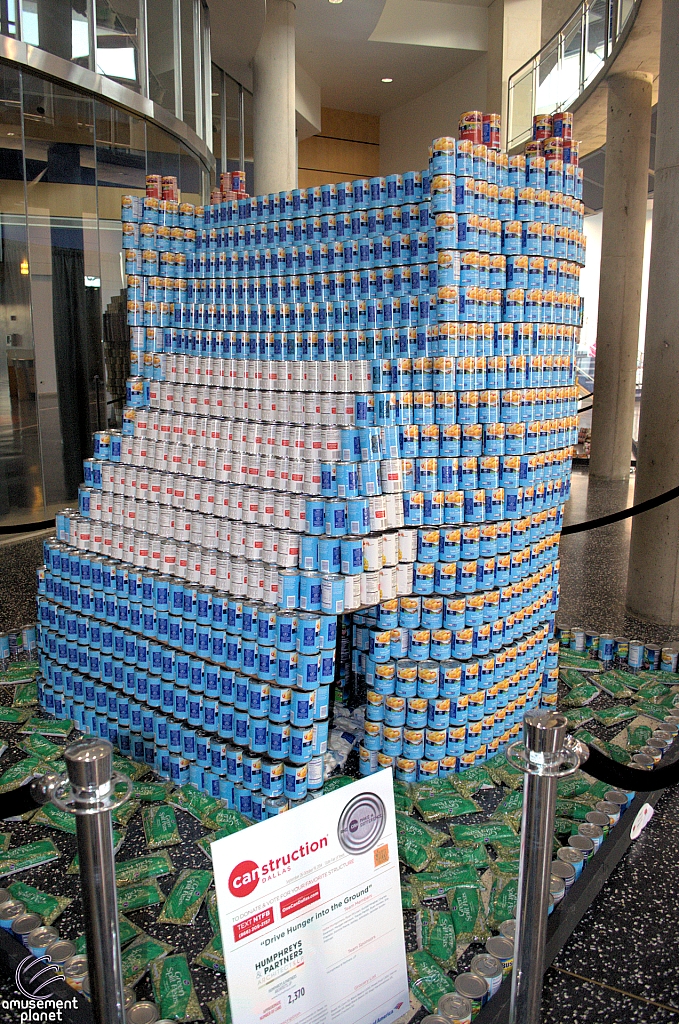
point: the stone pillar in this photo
(54, 27)
(628, 137)
(513, 38)
(275, 144)
(653, 576)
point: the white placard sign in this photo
(310, 912)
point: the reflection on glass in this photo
(8, 17)
(216, 76)
(57, 26)
(21, 490)
(232, 124)
(159, 14)
(120, 155)
(247, 129)
(63, 251)
(521, 108)
(188, 70)
(118, 40)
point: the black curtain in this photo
(77, 351)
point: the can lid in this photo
(144, 1012)
(597, 818)
(61, 950)
(502, 946)
(582, 842)
(452, 1005)
(76, 966)
(486, 965)
(11, 909)
(471, 986)
(26, 923)
(562, 870)
(5, 896)
(616, 796)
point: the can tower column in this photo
(628, 137)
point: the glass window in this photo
(217, 140)
(188, 66)
(248, 142)
(190, 176)
(161, 30)
(63, 253)
(58, 26)
(232, 95)
(8, 17)
(120, 154)
(118, 40)
(21, 486)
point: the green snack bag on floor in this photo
(459, 857)
(173, 989)
(132, 769)
(138, 895)
(469, 918)
(422, 833)
(55, 818)
(490, 832)
(409, 899)
(139, 954)
(638, 737)
(503, 901)
(578, 716)
(49, 726)
(160, 826)
(212, 956)
(580, 695)
(427, 979)
(472, 780)
(13, 716)
(212, 911)
(25, 694)
(20, 773)
(445, 805)
(219, 1008)
(151, 792)
(30, 855)
(5, 840)
(412, 853)
(436, 934)
(613, 686)
(38, 746)
(38, 902)
(154, 865)
(615, 715)
(186, 898)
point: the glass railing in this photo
(570, 61)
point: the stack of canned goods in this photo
(17, 645)
(433, 707)
(618, 651)
(350, 396)
(234, 698)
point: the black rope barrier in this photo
(622, 777)
(625, 513)
(46, 524)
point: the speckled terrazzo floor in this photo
(620, 965)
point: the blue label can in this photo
(302, 707)
(351, 561)
(258, 698)
(203, 750)
(243, 801)
(234, 763)
(320, 737)
(301, 744)
(259, 735)
(358, 517)
(315, 520)
(329, 555)
(308, 550)
(328, 637)
(286, 669)
(335, 518)
(241, 728)
(288, 588)
(295, 781)
(310, 591)
(227, 685)
(279, 739)
(308, 633)
(286, 631)
(252, 771)
(279, 705)
(308, 671)
(272, 777)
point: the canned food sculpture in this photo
(347, 398)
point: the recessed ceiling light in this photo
(335, 1)
(387, 79)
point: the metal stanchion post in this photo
(545, 756)
(91, 797)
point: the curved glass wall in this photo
(158, 48)
(66, 158)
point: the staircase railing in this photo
(567, 64)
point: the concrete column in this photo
(653, 577)
(628, 137)
(513, 38)
(275, 145)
